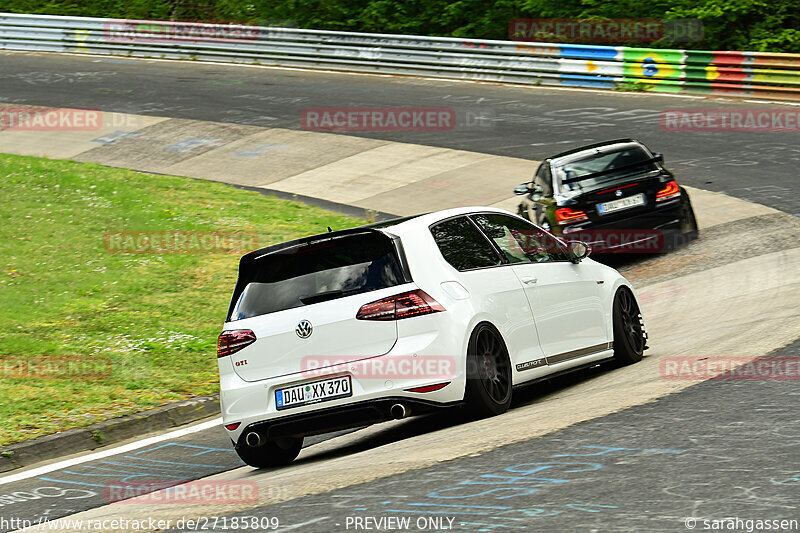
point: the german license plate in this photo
(622, 203)
(313, 392)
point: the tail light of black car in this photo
(565, 216)
(232, 341)
(405, 305)
(669, 192)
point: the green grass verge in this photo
(122, 331)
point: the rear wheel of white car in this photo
(273, 453)
(629, 334)
(488, 389)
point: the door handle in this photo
(529, 281)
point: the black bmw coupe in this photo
(615, 196)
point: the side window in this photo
(463, 245)
(548, 180)
(520, 241)
(544, 179)
(537, 178)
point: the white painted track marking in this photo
(111, 451)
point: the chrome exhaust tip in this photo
(253, 439)
(399, 411)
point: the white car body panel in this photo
(498, 299)
(567, 304)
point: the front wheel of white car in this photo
(629, 334)
(272, 453)
(488, 390)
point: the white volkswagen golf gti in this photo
(359, 326)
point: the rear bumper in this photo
(347, 416)
(648, 232)
(377, 383)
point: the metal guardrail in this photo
(752, 74)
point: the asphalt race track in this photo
(648, 468)
(523, 122)
(653, 459)
(84, 486)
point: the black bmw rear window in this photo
(316, 271)
(613, 165)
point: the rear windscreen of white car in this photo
(316, 271)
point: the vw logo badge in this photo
(304, 329)
(618, 192)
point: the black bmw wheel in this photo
(488, 390)
(629, 334)
(688, 231)
(273, 453)
(688, 220)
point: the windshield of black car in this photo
(315, 272)
(629, 161)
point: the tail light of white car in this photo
(405, 305)
(232, 341)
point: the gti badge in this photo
(304, 329)
(618, 192)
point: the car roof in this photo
(427, 219)
(398, 225)
(595, 146)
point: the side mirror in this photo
(522, 188)
(579, 251)
(658, 157)
(538, 193)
